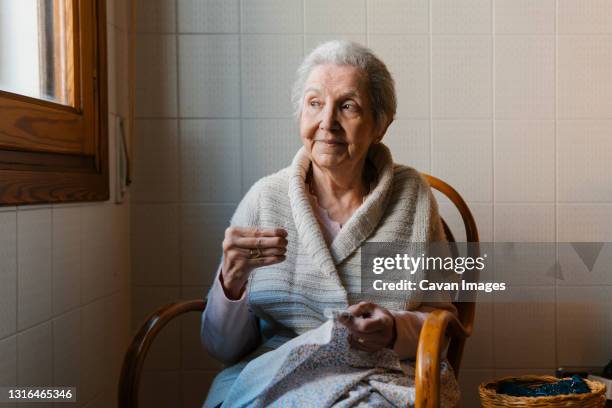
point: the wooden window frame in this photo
(53, 153)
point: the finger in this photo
(357, 325)
(361, 309)
(372, 318)
(261, 232)
(369, 338)
(360, 325)
(264, 261)
(264, 252)
(375, 341)
(369, 325)
(281, 232)
(353, 312)
(260, 242)
(346, 319)
(364, 345)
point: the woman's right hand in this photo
(240, 254)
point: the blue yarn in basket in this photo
(573, 385)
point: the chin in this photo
(326, 160)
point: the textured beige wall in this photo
(509, 100)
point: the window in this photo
(53, 102)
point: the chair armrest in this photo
(133, 361)
(431, 340)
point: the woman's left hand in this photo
(372, 327)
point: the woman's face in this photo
(337, 124)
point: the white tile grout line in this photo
(17, 297)
(555, 211)
(365, 12)
(52, 319)
(303, 28)
(80, 303)
(492, 93)
(445, 118)
(179, 137)
(430, 35)
(505, 203)
(240, 96)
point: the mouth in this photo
(331, 142)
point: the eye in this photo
(314, 103)
(349, 106)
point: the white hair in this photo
(381, 87)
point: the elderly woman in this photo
(293, 248)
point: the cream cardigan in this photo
(296, 292)
(290, 298)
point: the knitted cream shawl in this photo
(295, 293)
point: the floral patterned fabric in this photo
(320, 369)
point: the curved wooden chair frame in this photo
(439, 324)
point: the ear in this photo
(383, 131)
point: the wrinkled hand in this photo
(371, 327)
(247, 248)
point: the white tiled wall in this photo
(157, 161)
(337, 17)
(209, 76)
(407, 57)
(217, 141)
(64, 275)
(525, 76)
(206, 16)
(508, 100)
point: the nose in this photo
(328, 119)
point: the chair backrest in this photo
(466, 309)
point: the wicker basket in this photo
(490, 398)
